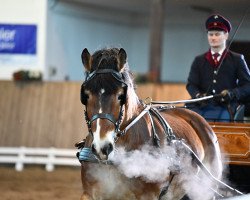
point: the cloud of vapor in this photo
(197, 187)
(152, 165)
(149, 163)
(111, 183)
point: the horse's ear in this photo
(122, 58)
(86, 59)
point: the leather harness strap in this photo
(152, 111)
(165, 125)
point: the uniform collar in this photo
(209, 58)
(220, 52)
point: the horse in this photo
(119, 121)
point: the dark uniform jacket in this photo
(233, 74)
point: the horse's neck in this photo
(133, 108)
(140, 132)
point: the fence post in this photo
(51, 158)
(20, 159)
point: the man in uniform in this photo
(219, 72)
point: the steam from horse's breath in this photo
(153, 165)
(148, 163)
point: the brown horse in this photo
(121, 126)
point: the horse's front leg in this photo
(174, 190)
(85, 197)
(89, 184)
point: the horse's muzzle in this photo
(107, 149)
(86, 155)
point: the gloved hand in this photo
(202, 102)
(227, 96)
(200, 95)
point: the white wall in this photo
(24, 12)
(71, 29)
(74, 27)
(178, 56)
(64, 29)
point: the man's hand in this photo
(200, 95)
(227, 96)
(201, 103)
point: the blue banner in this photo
(18, 39)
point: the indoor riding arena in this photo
(43, 72)
(36, 132)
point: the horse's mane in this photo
(106, 58)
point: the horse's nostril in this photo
(107, 149)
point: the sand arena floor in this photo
(35, 183)
(64, 183)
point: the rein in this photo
(143, 112)
(185, 101)
(150, 110)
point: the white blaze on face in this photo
(98, 141)
(102, 92)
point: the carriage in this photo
(139, 150)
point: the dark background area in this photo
(243, 47)
(239, 177)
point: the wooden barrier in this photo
(234, 140)
(49, 114)
(163, 92)
(41, 114)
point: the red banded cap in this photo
(218, 22)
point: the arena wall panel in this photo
(49, 114)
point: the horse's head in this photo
(104, 94)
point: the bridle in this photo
(120, 78)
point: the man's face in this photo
(217, 39)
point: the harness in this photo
(86, 155)
(119, 77)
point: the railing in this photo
(49, 157)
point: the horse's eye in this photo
(122, 99)
(84, 98)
